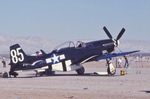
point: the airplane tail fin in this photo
(17, 55)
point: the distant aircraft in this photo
(68, 58)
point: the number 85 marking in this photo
(17, 55)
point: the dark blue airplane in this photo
(68, 58)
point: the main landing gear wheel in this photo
(111, 70)
(80, 71)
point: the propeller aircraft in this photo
(70, 58)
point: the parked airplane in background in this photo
(68, 58)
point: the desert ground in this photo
(69, 85)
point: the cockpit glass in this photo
(67, 44)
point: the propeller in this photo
(120, 34)
(110, 36)
(107, 32)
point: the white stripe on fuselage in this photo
(88, 59)
(108, 44)
(36, 62)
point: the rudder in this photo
(17, 57)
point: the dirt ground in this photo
(134, 85)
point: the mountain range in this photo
(33, 44)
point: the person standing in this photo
(4, 62)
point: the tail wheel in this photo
(80, 71)
(5, 75)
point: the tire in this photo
(5, 75)
(80, 71)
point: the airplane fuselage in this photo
(66, 57)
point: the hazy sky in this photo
(75, 19)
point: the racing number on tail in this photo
(17, 55)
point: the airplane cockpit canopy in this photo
(67, 44)
(80, 44)
(70, 44)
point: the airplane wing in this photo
(111, 55)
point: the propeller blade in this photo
(107, 32)
(120, 34)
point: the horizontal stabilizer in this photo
(43, 52)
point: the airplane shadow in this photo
(145, 91)
(86, 74)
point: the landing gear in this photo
(111, 70)
(5, 75)
(80, 71)
(15, 74)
